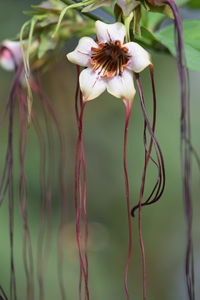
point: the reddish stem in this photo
(80, 205)
(130, 246)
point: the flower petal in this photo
(91, 84)
(10, 54)
(6, 60)
(122, 86)
(82, 54)
(110, 32)
(140, 58)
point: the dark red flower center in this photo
(109, 58)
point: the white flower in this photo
(109, 63)
(10, 55)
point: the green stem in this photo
(127, 22)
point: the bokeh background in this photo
(163, 223)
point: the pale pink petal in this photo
(122, 86)
(6, 60)
(140, 58)
(110, 32)
(91, 84)
(10, 55)
(82, 54)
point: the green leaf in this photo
(194, 4)
(154, 19)
(182, 2)
(46, 44)
(147, 37)
(191, 36)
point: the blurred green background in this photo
(163, 223)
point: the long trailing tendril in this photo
(159, 163)
(23, 193)
(52, 113)
(3, 295)
(6, 183)
(80, 197)
(185, 148)
(47, 170)
(127, 118)
(159, 186)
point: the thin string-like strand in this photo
(159, 156)
(27, 245)
(50, 170)
(13, 288)
(160, 182)
(41, 255)
(3, 180)
(185, 150)
(78, 212)
(3, 295)
(85, 219)
(83, 210)
(48, 166)
(40, 264)
(81, 173)
(62, 166)
(147, 157)
(77, 109)
(6, 184)
(80, 205)
(130, 246)
(84, 198)
(45, 221)
(18, 70)
(44, 242)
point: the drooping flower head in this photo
(109, 62)
(109, 65)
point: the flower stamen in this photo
(111, 58)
